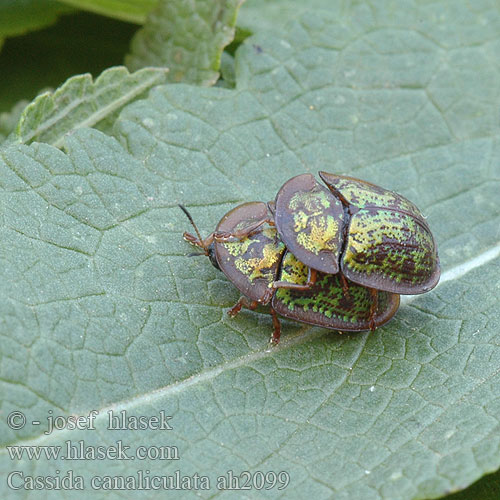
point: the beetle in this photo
(248, 249)
(376, 237)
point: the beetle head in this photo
(211, 255)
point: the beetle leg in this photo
(244, 232)
(312, 275)
(277, 328)
(243, 302)
(373, 308)
(271, 206)
(345, 285)
(204, 244)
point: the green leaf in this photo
(20, 16)
(8, 121)
(187, 37)
(81, 102)
(101, 308)
(227, 71)
(126, 10)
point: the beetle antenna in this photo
(200, 239)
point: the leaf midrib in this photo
(302, 336)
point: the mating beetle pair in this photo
(336, 258)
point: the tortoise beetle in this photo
(376, 237)
(247, 248)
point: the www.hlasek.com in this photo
(80, 451)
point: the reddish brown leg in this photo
(242, 233)
(373, 308)
(204, 244)
(345, 285)
(311, 281)
(277, 328)
(252, 304)
(243, 302)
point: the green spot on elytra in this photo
(263, 264)
(327, 297)
(311, 202)
(309, 220)
(236, 248)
